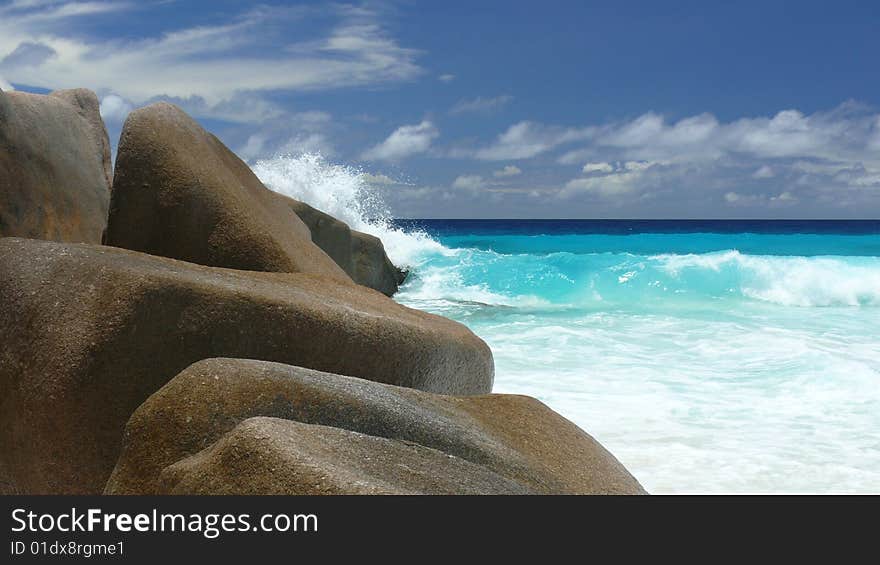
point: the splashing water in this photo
(703, 368)
(706, 362)
(344, 193)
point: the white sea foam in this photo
(790, 281)
(774, 390)
(782, 404)
(345, 193)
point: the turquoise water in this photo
(726, 361)
(708, 356)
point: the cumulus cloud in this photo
(5, 85)
(114, 108)
(480, 104)
(212, 62)
(607, 179)
(404, 142)
(469, 182)
(843, 133)
(827, 159)
(446, 77)
(508, 171)
(527, 139)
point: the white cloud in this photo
(47, 12)
(577, 156)
(307, 143)
(480, 104)
(290, 134)
(846, 132)
(211, 62)
(608, 179)
(828, 157)
(640, 165)
(5, 86)
(469, 182)
(508, 171)
(764, 172)
(651, 130)
(114, 108)
(602, 167)
(446, 78)
(608, 185)
(403, 142)
(782, 199)
(529, 139)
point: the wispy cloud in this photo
(764, 172)
(469, 182)
(480, 104)
(295, 134)
(404, 142)
(527, 139)
(250, 53)
(35, 13)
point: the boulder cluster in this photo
(173, 326)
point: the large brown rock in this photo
(277, 456)
(225, 426)
(370, 265)
(54, 166)
(179, 192)
(361, 255)
(89, 332)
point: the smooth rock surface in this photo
(244, 426)
(89, 332)
(370, 265)
(361, 255)
(55, 166)
(179, 192)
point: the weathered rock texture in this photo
(54, 166)
(89, 332)
(225, 426)
(179, 192)
(361, 255)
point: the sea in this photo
(709, 356)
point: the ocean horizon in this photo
(713, 356)
(261, 259)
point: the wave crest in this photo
(345, 193)
(788, 281)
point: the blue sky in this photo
(503, 109)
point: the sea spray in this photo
(703, 368)
(345, 193)
(733, 361)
